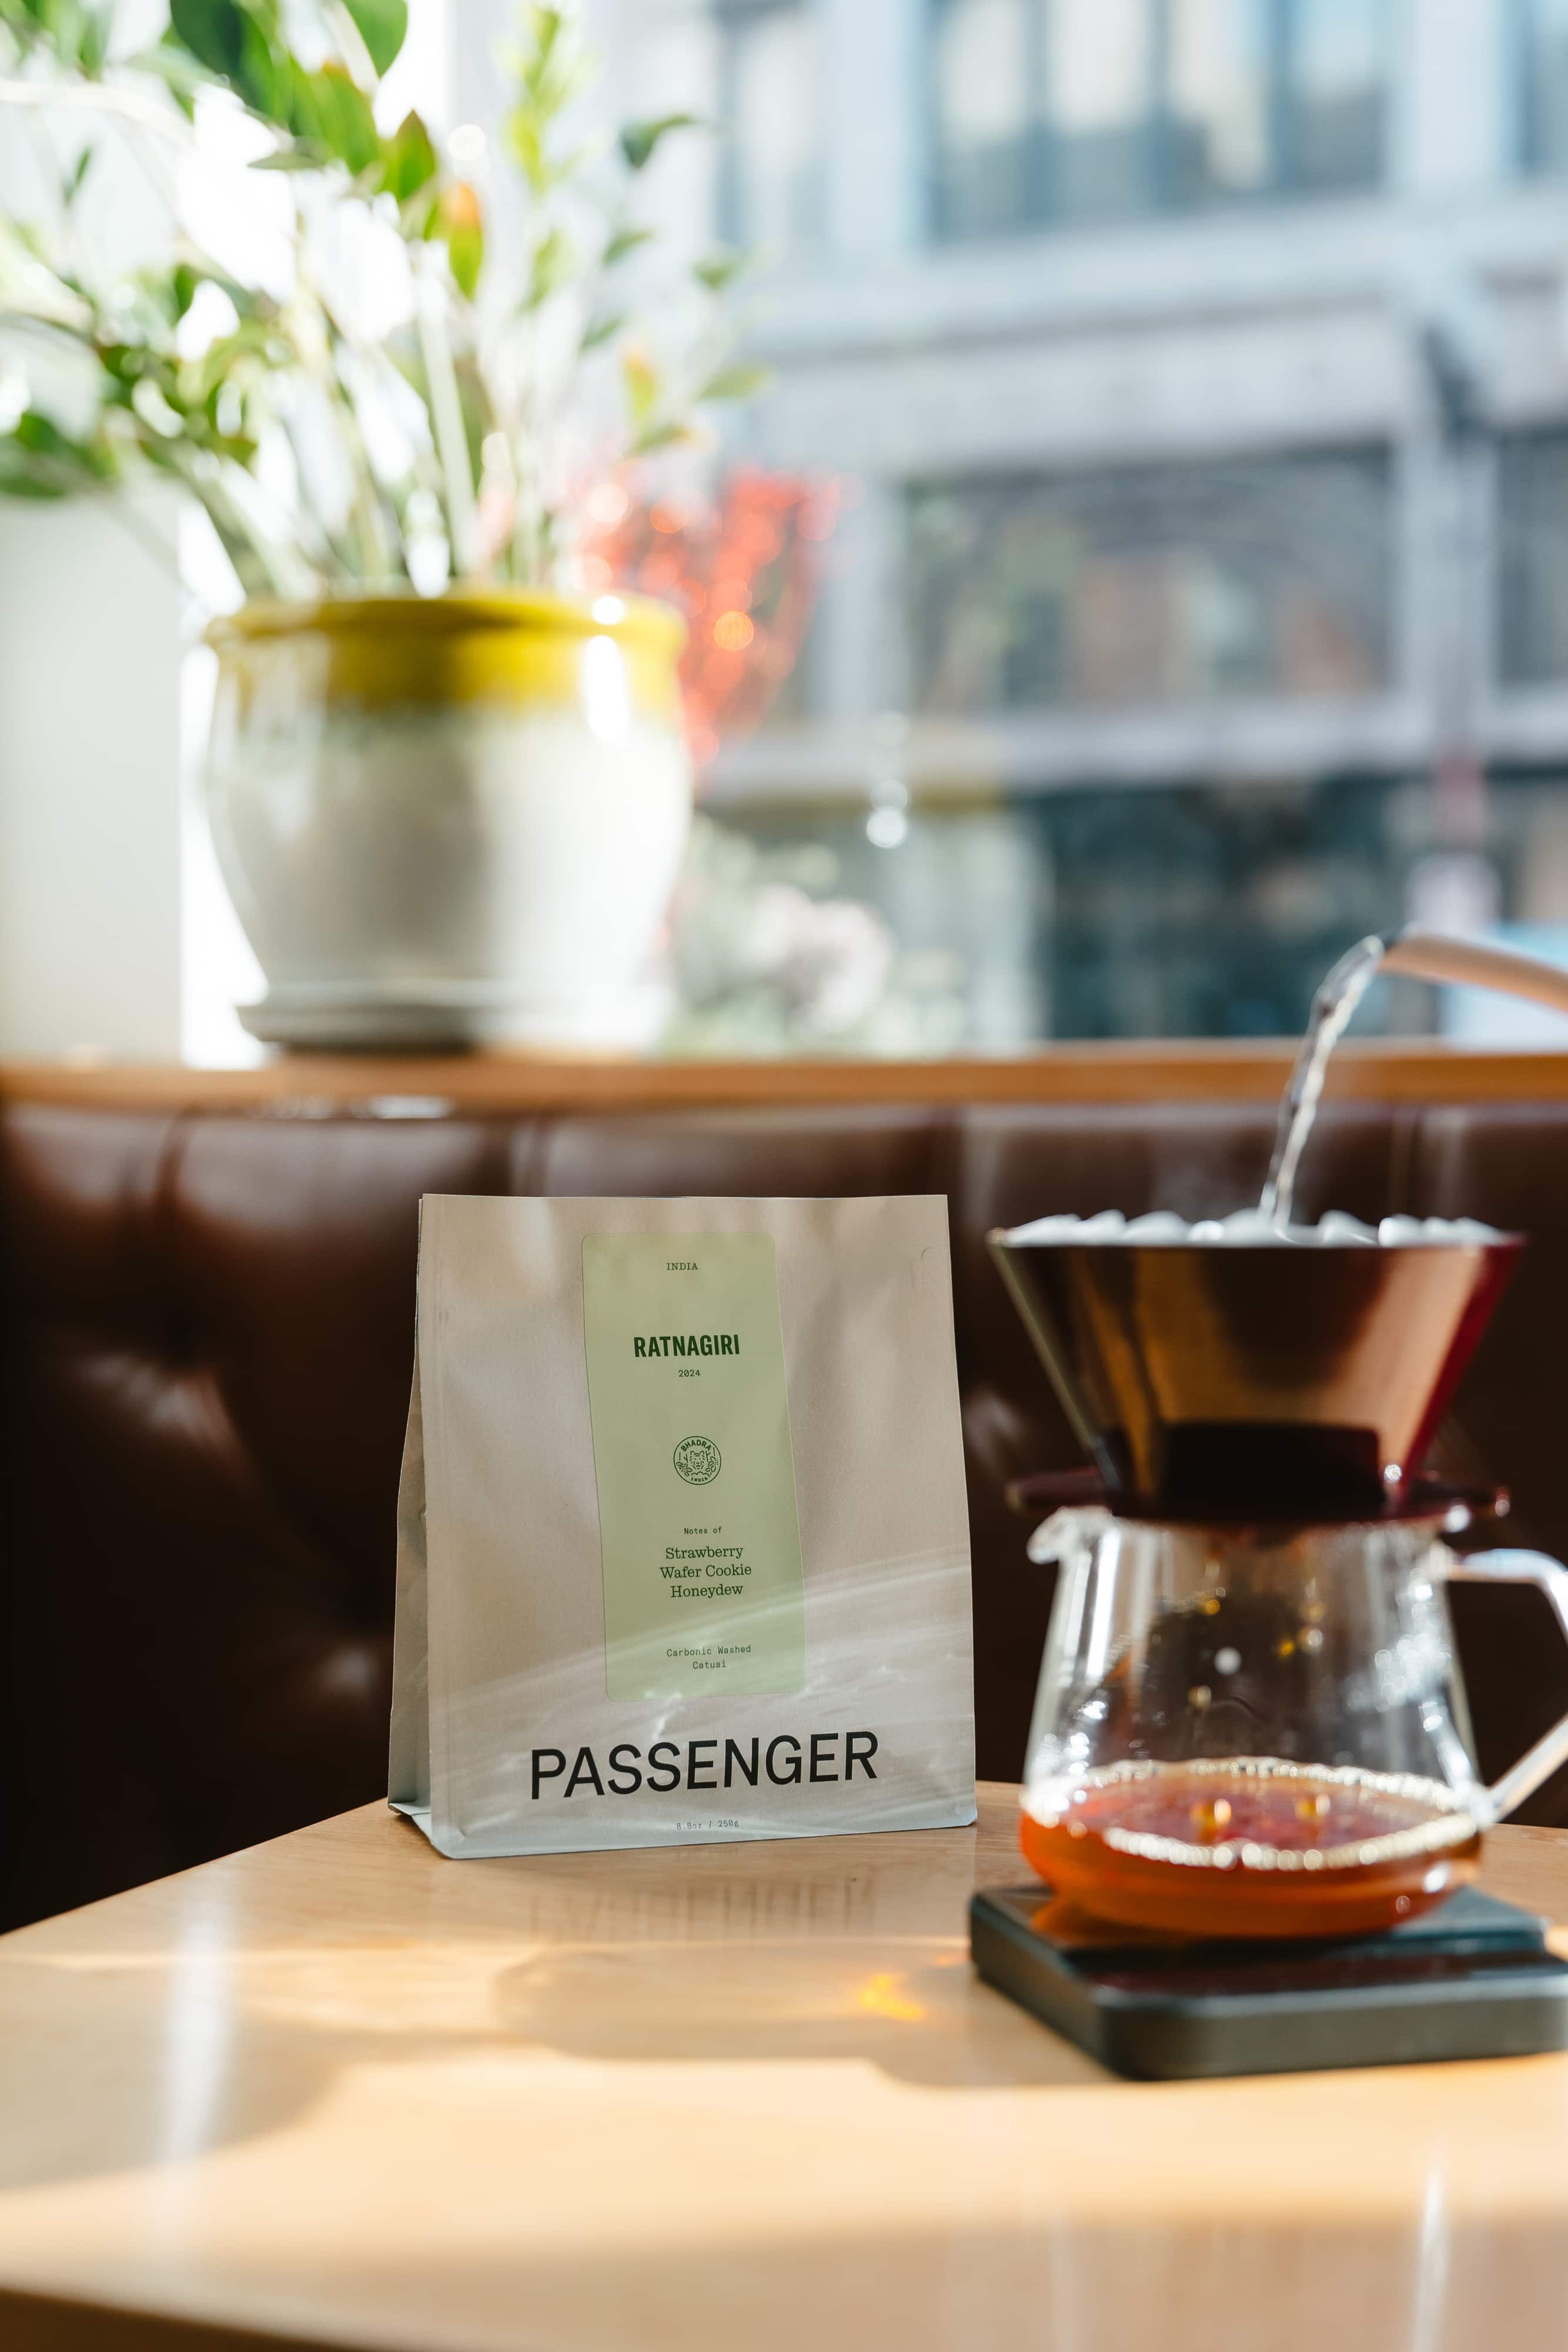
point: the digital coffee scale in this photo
(1476, 1978)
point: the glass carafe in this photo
(1259, 1732)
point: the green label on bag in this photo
(697, 1521)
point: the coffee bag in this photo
(682, 1547)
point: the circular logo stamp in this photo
(698, 1460)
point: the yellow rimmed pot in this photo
(450, 821)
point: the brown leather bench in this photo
(208, 1324)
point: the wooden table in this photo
(337, 2091)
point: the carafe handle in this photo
(1538, 1763)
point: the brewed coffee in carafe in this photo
(1250, 1721)
(1252, 1848)
(1248, 1731)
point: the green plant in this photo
(454, 431)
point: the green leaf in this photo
(48, 454)
(94, 25)
(75, 32)
(718, 271)
(16, 481)
(383, 25)
(265, 79)
(214, 32)
(411, 159)
(660, 437)
(642, 383)
(330, 108)
(466, 251)
(239, 44)
(641, 141)
(554, 260)
(737, 383)
(526, 139)
(41, 437)
(551, 69)
(552, 63)
(72, 186)
(460, 222)
(624, 241)
(304, 155)
(546, 26)
(103, 36)
(601, 330)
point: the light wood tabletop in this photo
(337, 2091)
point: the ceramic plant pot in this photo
(449, 821)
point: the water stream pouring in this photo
(1417, 955)
(1250, 1720)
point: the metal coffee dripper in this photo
(1232, 1379)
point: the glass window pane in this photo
(1100, 55)
(1219, 137)
(1545, 66)
(983, 68)
(1265, 577)
(775, 181)
(1336, 98)
(1099, 80)
(1533, 527)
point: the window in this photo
(1532, 535)
(1219, 142)
(772, 177)
(1099, 104)
(1332, 134)
(1267, 577)
(1543, 83)
(1066, 111)
(984, 77)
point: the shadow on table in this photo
(912, 2008)
(143, 2077)
(157, 2068)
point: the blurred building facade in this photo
(1199, 373)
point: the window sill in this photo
(1414, 1070)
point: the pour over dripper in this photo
(1232, 1381)
(1301, 1383)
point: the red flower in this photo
(743, 569)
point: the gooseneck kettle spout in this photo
(1437, 956)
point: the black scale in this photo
(1474, 1978)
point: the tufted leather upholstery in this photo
(207, 1327)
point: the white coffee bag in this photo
(682, 1547)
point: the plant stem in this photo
(321, 354)
(446, 416)
(283, 571)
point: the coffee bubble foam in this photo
(1252, 1229)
